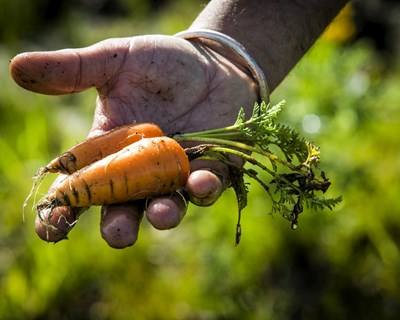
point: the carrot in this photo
(92, 150)
(98, 147)
(149, 167)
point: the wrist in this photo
(275, 33)
(225, 52)
(233, 51)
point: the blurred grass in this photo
(337, 265)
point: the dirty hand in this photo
(182, 86)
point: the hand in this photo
(179, 85)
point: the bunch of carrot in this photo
(138, 161)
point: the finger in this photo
(69, 70)
(206, 182)
(55, 224)
(119, 224)
(166, 212)
(203, 187)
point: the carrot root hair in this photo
(37, 180)
(44, 205)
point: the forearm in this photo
(276, 33)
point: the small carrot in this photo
(149, 167)
(98, 147)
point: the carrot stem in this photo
(235, 144)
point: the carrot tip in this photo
(41, 172)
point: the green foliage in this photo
(295, 184)
(264, 130)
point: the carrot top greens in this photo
(293, 176)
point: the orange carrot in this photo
(149, 167)
(98, 147)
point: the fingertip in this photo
(47, 232)
(14, 66)
(204, 187)
(18, 70)
(166, 212)
(119, 225)
(45, 72)
(54, 225)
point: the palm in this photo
(168, 81)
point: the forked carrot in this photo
(149, 167)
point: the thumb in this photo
(69, 70)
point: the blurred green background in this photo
(345, 264)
